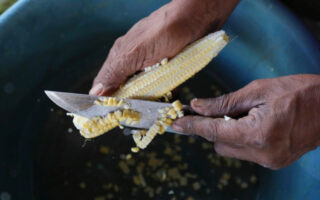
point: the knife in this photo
(83, 105)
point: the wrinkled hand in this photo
(281, 124)
(161, 35)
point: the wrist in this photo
(203, 16)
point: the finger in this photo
(241, 153)
(244, 153)
(232, 104)
(112, 74)
(117, 69)
(217, 130)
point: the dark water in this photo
(172, 167)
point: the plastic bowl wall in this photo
(54, 43)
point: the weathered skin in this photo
(162, 34)
(281, 115)
(282, 122)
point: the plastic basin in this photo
(52, 44)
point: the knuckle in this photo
(118, 41)
(134, 50)
(256, 84)
(275, 167)
(259, 140)
(212, 132)
(206, 111)
(222, 103)
(219, 149)
(207, 106)
(271, 161)
(188, 126)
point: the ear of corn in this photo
(153, 84)
(156, 81)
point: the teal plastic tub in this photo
(55, 44)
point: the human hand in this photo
(281, 122)
(163, 34)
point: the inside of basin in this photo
(172, 167)
(45, 157)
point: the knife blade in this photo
(83, 105)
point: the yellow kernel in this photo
(100, 198)
(118, 114)
(253, 179)
(174, 116)
(244, 185)
(196, 186)
(124, 167)
(177, 105)
(171, 112)
(126, 113)
(82, 185)
(121, 102)
(128, 156)
(97, 102)
(135, 149)
(161, 129)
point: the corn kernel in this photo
(177, 105)
(135, 149)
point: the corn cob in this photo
(156, 81)
(90, 128)
(143, 139)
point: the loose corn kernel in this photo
(135, 149)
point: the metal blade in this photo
(83, 105)
(72, 102)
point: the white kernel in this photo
(164, 61)
(227, 118)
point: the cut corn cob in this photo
(143, 139)
(156, 81)
(90, 128)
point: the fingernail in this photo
(176, 127)
(97, 89)
(196, 102)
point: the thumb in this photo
(113, 73)
(232, 104)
